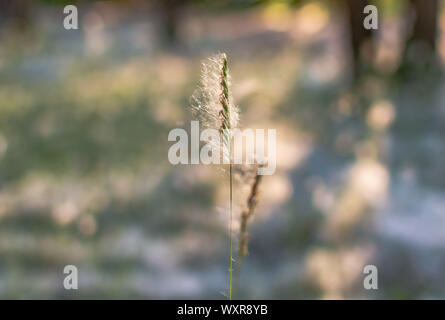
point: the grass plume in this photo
(213, 104)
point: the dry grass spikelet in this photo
(213, 103)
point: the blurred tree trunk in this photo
(170, 10)
(361, 38)
(421, 44)
(425, 23)
(17, 13)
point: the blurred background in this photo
(84, 174)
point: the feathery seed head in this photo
(212, 102)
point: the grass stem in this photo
(230, 234)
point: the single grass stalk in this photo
(213, 104)
(230, 235)
(227, 138)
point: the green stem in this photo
(230, 232)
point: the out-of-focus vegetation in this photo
(85, 178)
